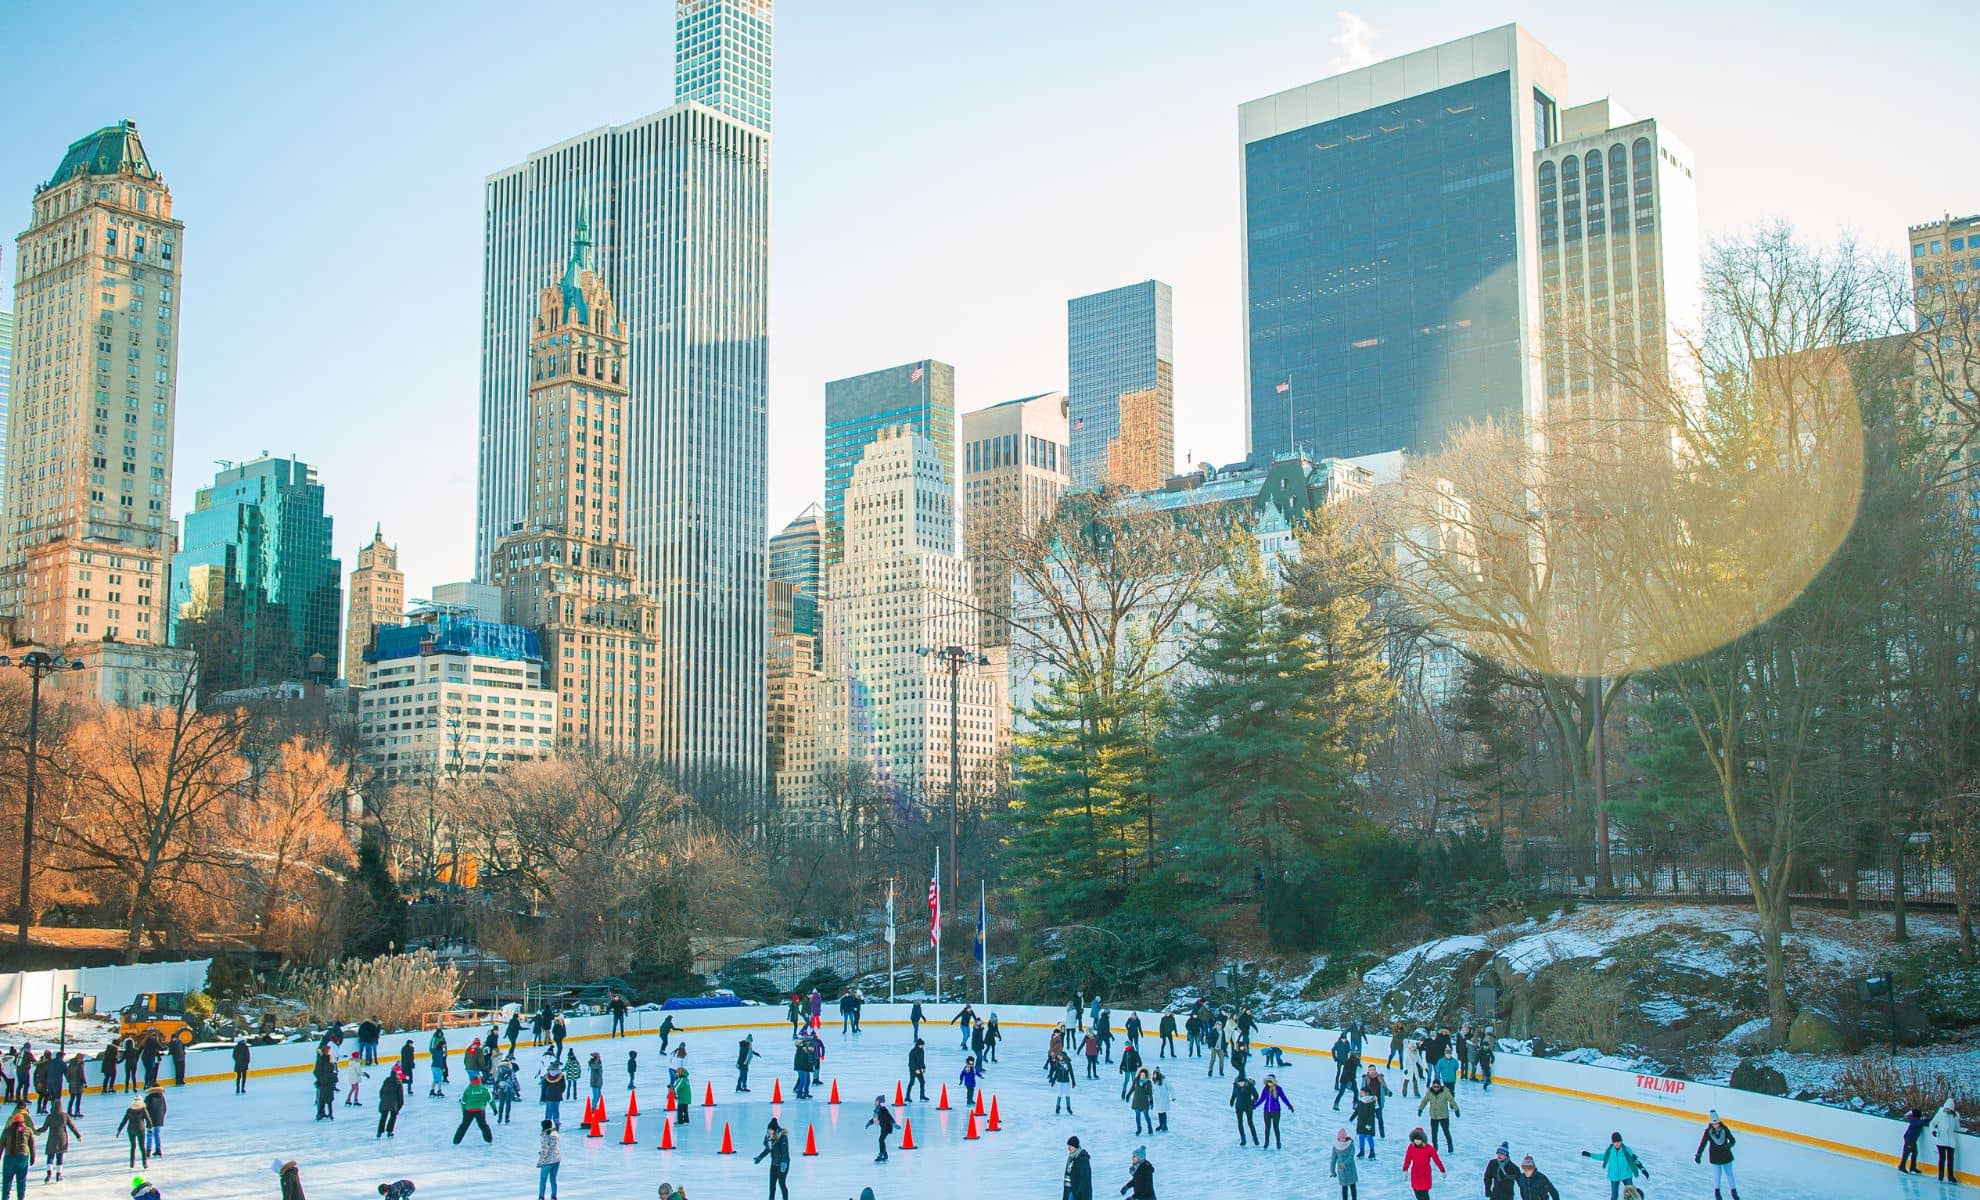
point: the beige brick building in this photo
(378, 597)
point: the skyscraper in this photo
(1618, 246)
(797, 552)
(678, 204)
(87, 534)
(1120, 386)
(919, 395)
(1391, 290)
(1015, 467)
(255, 587)
(568, 571)
(6, 386)
(722, 57)
(378, 597)
(880, 707)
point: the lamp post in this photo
(955, 658)
(1671, 831)
(39, 664)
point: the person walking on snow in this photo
(1343, 1168)
(1718, 1140)
(1417, 1161)
(1620, 1164)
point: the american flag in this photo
(935, 910)
(914, 376)
(1285, 385)
(1079, 423)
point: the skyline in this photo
(955, 227)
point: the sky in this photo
(945, 177)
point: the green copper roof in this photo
(580, 263)
(111, 150)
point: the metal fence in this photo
(1719, 875)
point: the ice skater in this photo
(1141, 1176)
(1165, 1094)
(549, 1157)
(133, 1125)
(1243, 1101)
(1944, 1132)
(1718, 1141)
(968, 1078)
(154, 1115)
(474, 1110)
(1274, 1103)
(1441, 1106)
(745, 1053)
(917, 1067)
(777, 1148)
(391, 1098)
(1417, 1161)
(56, 1133)
(1060, 1074)
(1620, 1165)
(884, 1118)
(1077, 1183)
(353, 1080)
(1501, 1176)
(1141, 1098)
(1343, 1167)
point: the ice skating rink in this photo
(218, 1146)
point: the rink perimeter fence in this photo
(37, 995)
(1814, 1126)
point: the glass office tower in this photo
(920, 395)
(1120, 389)
(1390, 283)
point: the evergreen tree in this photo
(375, 913)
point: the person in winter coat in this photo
(474, 1110)
(1130, 1064)
(992, 1034)
(154, 1112)
(176, 1050)
(78, 1071)
(1366, 1118)
(1944, 1132)
(1442, 1105)
(506, 1090)
(1501, 1176)
(56, 1132)
(683, 1096)
(1244, 1099)
(1718, 1141)
(1060, 1074)
(1533, 1185)
(436, 1050)
(1213, 1040)
(804, 1062)
(915, 1017)
(1141, 1176)
(969, 1078)
(143, 1189)
(595, 1076)
(917, 1067)
(632, 1068)
(324, 1073)
(1141, 1098)
(1482, 1056)
(1415, 1066)
(745, 1051)
(1341, 1166)
(241, 1056)
(401, 1189)
(1091, 1049)
(1347, 1071)
(391, 1098)
(559, 1030)
(777, 1148)
(1273, 1101)
(133, 1125)
(1165, 1095)
(1165, 1031)
(406, 1056)
(131, 1056)
(884, 1118)
(1914, 1129)
(549, 1156)
(353, 1080)
(1417, 1161)
(291, 1176)
(108, 1061)
(551, 1092)
(1619, 1164)
(150, 1053)
(17, 1155)
(1078, 1179)
(1376, 1087)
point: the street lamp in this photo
(955, 658)
(38, 664)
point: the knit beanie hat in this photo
(1527, 1161)
(275, 1165)
(1342, 1138)
(1504, 1149)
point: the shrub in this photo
(199, 1006)
(1948, 988)
(1586, 1009)
(1893, 1087)
(397, 989)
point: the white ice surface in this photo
(218, 1145)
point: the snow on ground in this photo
(84, 1033)
(218, 1146)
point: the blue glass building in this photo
(255, 571)
(1390, 286)
(1120, 386)
(920, 395)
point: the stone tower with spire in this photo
(568, 571)
(378, 597)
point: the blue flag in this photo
(982, 919)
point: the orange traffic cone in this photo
(708, 1097)
(629, 1139)
(670, 1099)
(978, 1110)
(586, 1118)
(899, 1099)
(942, 1101)
(728, 1146)
(995, 1122)
(835, 1090)
(810, 1143)
(969, 1135)
(907, 1134)
(776, 1091)
(666, 1135)
(596, 1129)
(632, 1103)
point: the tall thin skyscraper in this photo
(378, 597)
(6, 387)
(678, 205)
(89, 474)
(918, 395)
(1391, 291)
(1120, 386)
(722, 57)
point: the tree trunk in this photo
(1778, 1016)
(1898, 929)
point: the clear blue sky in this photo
(947, 175)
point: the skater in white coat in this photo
(1944, 1132)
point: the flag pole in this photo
(890, 941)
(935, 919)
(983, 934)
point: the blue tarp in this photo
(677, 1003)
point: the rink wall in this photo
(1817, 1126)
